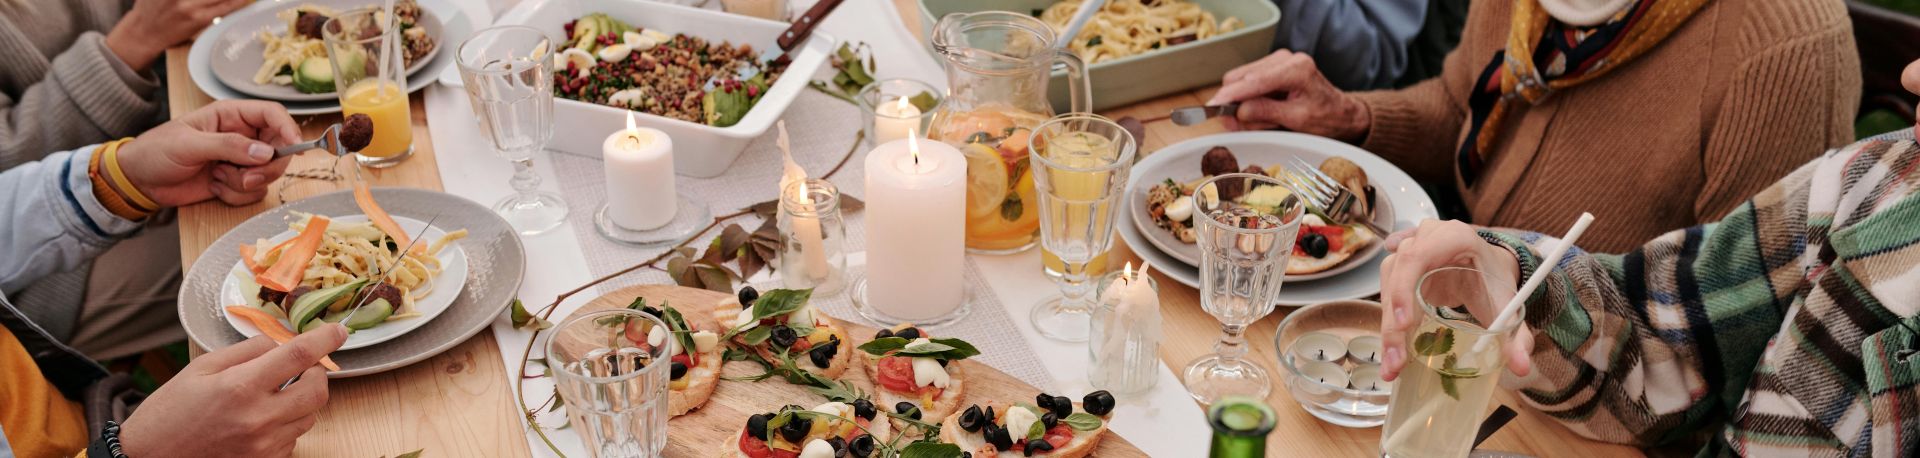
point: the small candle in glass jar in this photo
(1319, 346)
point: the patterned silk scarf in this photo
(1543, 56)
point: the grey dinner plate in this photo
(214, 41)
(495, 258)
(236, 62)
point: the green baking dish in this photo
(1141, 77)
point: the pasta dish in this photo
(358, 252)
(1128, 27)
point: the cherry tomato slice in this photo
(896, 373)
(753, 447)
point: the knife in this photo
(396, 262)
(802, 28)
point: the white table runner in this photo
(1163, 423)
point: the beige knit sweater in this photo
(60, 87)
(1739, 96)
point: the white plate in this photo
(1393, 186)
(239, 288)
(455, 28)
(1190, 253)
(238, 59)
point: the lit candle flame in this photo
(913, 147)
(902, 107)
(1128, 273)
(630, 125)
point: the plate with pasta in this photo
(1124, 28)
(349, 277)
(279, 53)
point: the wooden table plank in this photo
(458, 403)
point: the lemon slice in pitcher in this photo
(986, 180)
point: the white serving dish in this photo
(699, 150)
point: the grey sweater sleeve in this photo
(1358, 44)
(86, 97)
(50, 220)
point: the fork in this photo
(1333, 199)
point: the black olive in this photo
(1315, 245)
(783, 337)
(1037, 446)
(822, 355)
(1062, 406)
(747, 296)
(971, 420)
(861, 447)
(677, 370)
(907, 409)
(966, 454)
(1098, 402)
(796, 429)
(990, 417)
(1043, 401)
(839, 446)
(908, 333)
(997, 435)
(655, 311)
(757, 425)
(864, 409)
(884, 333)
(1047, 421)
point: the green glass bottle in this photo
(1240, 427)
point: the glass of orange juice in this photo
(369, 67)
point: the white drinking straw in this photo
(386, 48)
(1078, 22)
(1510, 313)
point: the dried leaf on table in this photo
(762, 246)
(525, 321)
(765, 210)
(700, 274)
(851, 204)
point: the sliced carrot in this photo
(274, 329)
(246, 257)
(285, 273)
(363, 196)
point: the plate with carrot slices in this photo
(345, 270)
(350, 257)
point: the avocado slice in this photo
(314, 76)
(309, 305)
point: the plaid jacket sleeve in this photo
(1647, 347)
(1790, 325)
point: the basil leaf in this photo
(880, 347)
(950, 349)
(1036, 430)
(924, 348)
(1082, 421)
(678, 324)
(758, 335)
(930, 450)
(780, 302)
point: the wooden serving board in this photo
(703, 432)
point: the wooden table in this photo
(460, 403)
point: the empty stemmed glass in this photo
(1080, 164)
(1243, 260)
(508, 72)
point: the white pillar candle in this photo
(916, 223)
(640, 186)
(894, 121)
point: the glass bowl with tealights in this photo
(1329, 355)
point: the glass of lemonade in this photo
(1450, 376)
(1080, 163)
(1243, 260)
(613, 381)
(370, 74)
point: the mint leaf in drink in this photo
(1433, 343)
(1082, 421)
(1447, 385)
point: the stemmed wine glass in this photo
(1080, 163)
(1243, 260)
(508, 72)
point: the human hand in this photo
(1285, 90)
(152, 26)
(1911, 79)
(1432, 245)
(222, 150)
(229, 403)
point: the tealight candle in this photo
(640, 180)
(896, 120)
(1319, 346)
(1364, 349)
(916, 222)
(1324, 372)
(1367, 378)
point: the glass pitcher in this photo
(998, 64)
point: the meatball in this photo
(356, 132)
(309, 24)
